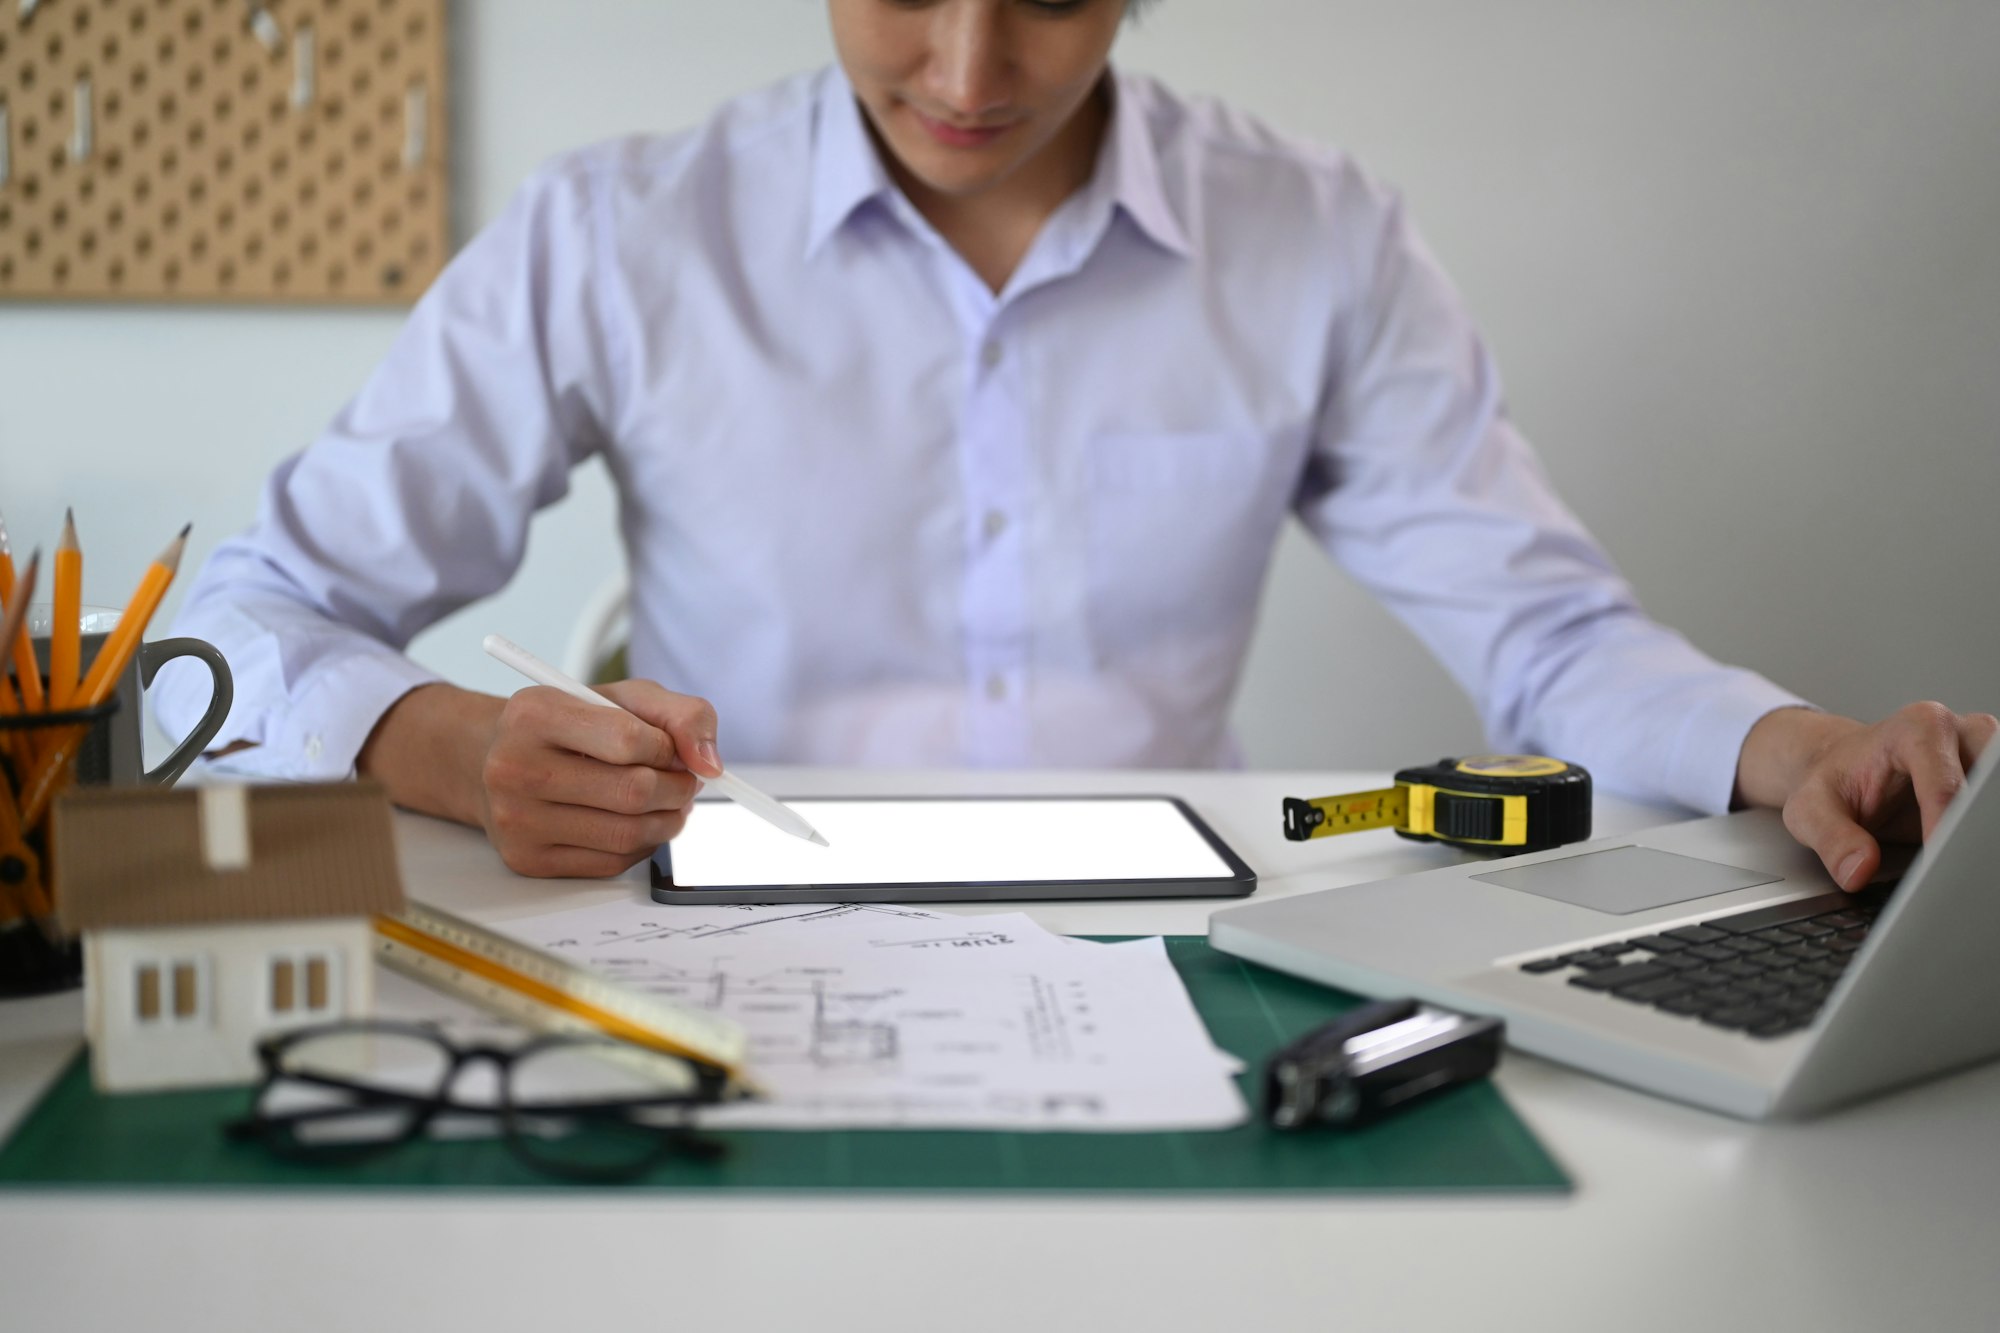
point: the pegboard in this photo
(222, 150)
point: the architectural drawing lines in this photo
(966, 940)
(707, 930)
(871, 1015)
(821, 1020)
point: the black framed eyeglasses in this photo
(579, 1106)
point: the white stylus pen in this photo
(735, 788)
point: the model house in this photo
(214, 915)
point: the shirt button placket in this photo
(995, 475)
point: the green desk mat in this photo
(1467, 1140)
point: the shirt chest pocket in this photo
(1178, 531)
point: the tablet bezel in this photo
(1238, 883)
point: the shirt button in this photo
(996, 687)
(989, 355)
(313, 747)
(996, 523)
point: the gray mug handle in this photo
(153, 656)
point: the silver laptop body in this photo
(1920, 996)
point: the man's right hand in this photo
(561, 788)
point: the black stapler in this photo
(1374, 1060)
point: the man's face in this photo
(964, 93)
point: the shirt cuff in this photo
(317, 735)
(1701, 772)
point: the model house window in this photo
(303, 984)
(319, 984)
(283, 973)
(171, 991)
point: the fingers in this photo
(1924, 742)
(573, 789)
(687, 721)
(611, 735)
(1819, 816)
(569, 862)
(1975, 734)
(1872, 782)
(652, 725)
(544, 773)
(573, 841)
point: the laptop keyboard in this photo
(1765, 972)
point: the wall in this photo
(1738, 262)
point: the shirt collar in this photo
(1128, 165)
(847, 172)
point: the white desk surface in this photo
(1883, 1217)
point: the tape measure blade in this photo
(545, 992)
(1386, 807)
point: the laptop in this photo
(1713, 961)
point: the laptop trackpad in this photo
(1626, 879)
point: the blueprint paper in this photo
(877, 1015)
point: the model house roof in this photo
(149, 856)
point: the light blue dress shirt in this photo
(879, 515)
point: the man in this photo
(955, 398)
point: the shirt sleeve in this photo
(1422, 490)
(415, 501)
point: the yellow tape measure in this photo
(1486, 803)
(550, 994)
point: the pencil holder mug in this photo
(113, 751)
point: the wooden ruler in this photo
(549, 994)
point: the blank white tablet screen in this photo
(943, 842)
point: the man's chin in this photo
(960, 179)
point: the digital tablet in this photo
(951, 849)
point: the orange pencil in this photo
(102, 681)
(124, 641)
(14, 597)
(66, 633)
(31, 897)
(27, 896)
(31, 900)
(27, 672)
(15, 619)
